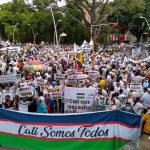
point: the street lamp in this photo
(54, 22)
(14, 32)
(92, 41)
(62, 35)
(141, 17)
(34, 34)
(56, 28)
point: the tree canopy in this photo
(77, 17)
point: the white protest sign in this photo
(81, 78)
(78, 100)
(40, 83)
(69, 72)
(59, 76)
(79, 73)
(10, 78)
(135, 86)
(56, 95)
(72, 81)
(102, 100)
(26, 91)
(93, 74)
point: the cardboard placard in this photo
(40, 83)
(26, 91)
(10, 78)
(135, 86)
(59, 76)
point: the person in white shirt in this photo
(137, 105)
(23, 105)
(146, 100)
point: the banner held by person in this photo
(10, 78)
(108, 130)
(135, 86)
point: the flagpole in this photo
(93, 50)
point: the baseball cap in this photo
(41, 98)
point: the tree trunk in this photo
(138, 38)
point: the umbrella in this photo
(34, 62)
(35, 67)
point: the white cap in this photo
(41, 98)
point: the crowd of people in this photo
(112, 77)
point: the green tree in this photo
(129, 17)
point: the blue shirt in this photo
(41, 108)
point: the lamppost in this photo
(34, 34)
(54, 22)
(62, 35)
(141, 17)
(14, 32)
(93, 51)
(56, 28)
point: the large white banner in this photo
(77, 100)
(10, 78)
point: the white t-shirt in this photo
(137, 106)
(1, 98)
(23, 106)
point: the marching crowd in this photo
(111, 74)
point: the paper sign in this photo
(56, 95)
(81, 78)
(40, 83)
(135, 86)
(59, 76)
(26, 91)
(72, 81)
(77, 100)
(79, 73)
(10, 78)
(69, 72)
